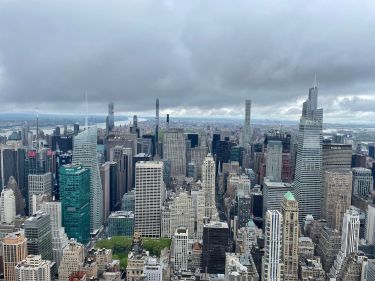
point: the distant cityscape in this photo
(164, 198)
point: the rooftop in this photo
(289, 196)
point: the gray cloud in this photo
(196, 56)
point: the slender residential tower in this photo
(157, 127)
(247, 126)
(308, 175)
(111, 117)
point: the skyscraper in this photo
(181, 247)
(110, 117)
(274, 160)
(174, 150)
(72, 259)
(14, 251)
(290, 231)
(308, 175)
(208, 183)
(7, 205)
(363, 182)
(247, 126)
(272, 262)
(149, 187)
(75, 201)
(337, 196)
(33, 268)
(39, 235)
(40, 188)
(84, 152)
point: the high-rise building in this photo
(121, 223)
(105, 178)
(308, 175)
(371, 269)
(59, 237)
(290, 232)
(7, 205)
(370, 224)
(128, 201)
(274, 160)
(240, 267)
(75, 201)
(152, 269)
(39, 236)
(14, 251)
(84, 152)
(12, 164)
(349, 240)
(72, 259)
(40, 189)
(174, 150)
(110, 117)
(363, 182)
(273, 193)
(181, 248)
(336, 156)
(208, 183)
(19, 199)
(215, 245)
(149, 187)
(33, 268)
(247, 126)
(337, 196)
(272, 263)
(329, 243)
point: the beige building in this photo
(72, 259)
(290, 231)
(337, 196)
(306, 248)
(208, 183)
(311, 269)
(14, 251)
(33, 268)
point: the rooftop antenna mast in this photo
(315, 81)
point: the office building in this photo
(59, 237)
(33, 268)
(181, 249)
(40, 189)
(290, 233)
(363, 182)
(121, 223)
(157, 127)
(149, 187)
(72, 260)
(12, 164)
(308, 175)
(337, 196)
(208, 184)
(153, 269)
(272, 260)
(329, 244)
(128, 201)
(247, 126)
(215, 245)
(7, 206)
(75, 201)
(274, 160)
(273, 193)
(306, 249)
(19, 199)
(84, 152)
(39, 236)
(14, 251)
(174, 149)
(110, 122)
(240, 267)
(311, 269)
(371, 269)
(370, 225)
(336, 156)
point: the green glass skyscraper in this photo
(75, 201)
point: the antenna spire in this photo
(87, 114)
(315, 80)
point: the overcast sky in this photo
(198, 57)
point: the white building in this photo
(59, 237)
(273, 193)
(84, 152)
(40, 188)
(33, 268)
(72, 259)
(274, 160)
(271, 263)
(181, 248)
(199, 208)
(208, 183)
(7, 205)
(370, 225)
(152, 270)
(149, 186)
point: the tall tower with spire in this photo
(308, 174)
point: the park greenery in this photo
(121, 246)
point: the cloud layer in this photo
(198, 57)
